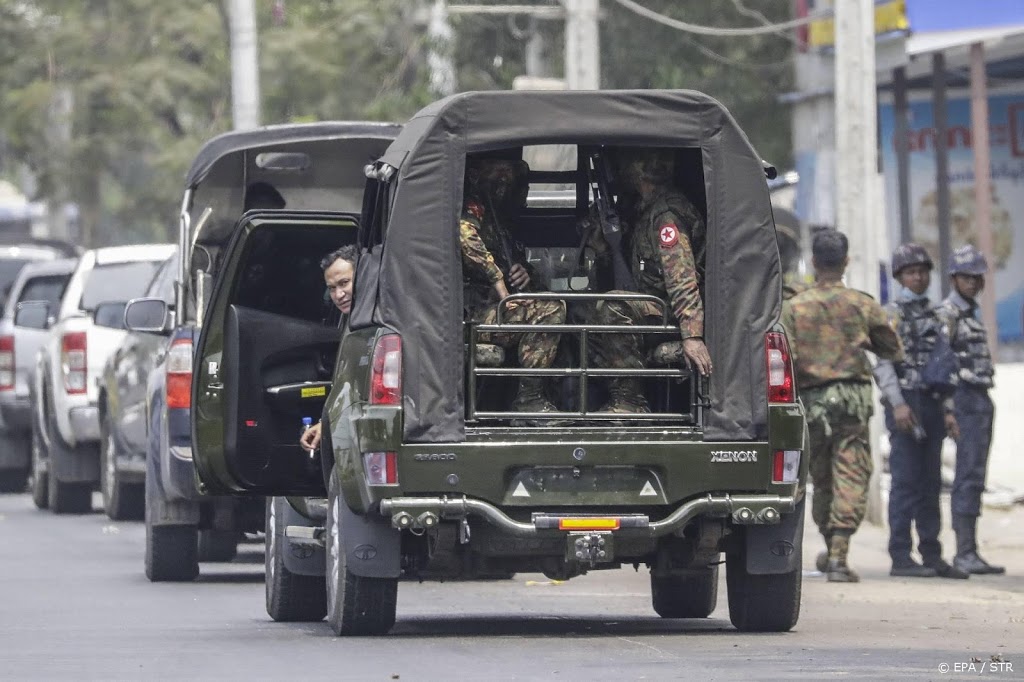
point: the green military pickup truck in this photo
(428, 472)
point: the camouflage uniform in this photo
(829, 327)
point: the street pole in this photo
(245, 77)
(983, 189)
(582, 45)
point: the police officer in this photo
(829, 328)
(918, 414)
(493, 263)
(667, 236)
(974, 410)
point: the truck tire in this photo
(762, 603)
(290, 597)
(13, 480)
(66, 497)
(171, 553)
(217, 545)
(40, 479)
(122, 501)
(685, 596)
(355, 605)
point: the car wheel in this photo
(40, 478)
(171, 553)
(13, 480)
(290, 597)
(218, 545)
(66, 497)
(122, 501)
(685, 596)
(762, 603)
(355, 605)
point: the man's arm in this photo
(680, 271)
(477, 259)
(883, 340)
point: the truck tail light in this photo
(780, 368)
(179, 374)
(386, 371)
(74, 362)
(381, 468)
(6, 363)
(785, 466)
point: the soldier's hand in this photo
(697, 353)
(952, 428)
(518, 276)
(311, 438)
(904, 417)
(501, 289)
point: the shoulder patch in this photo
(475, 209)
(668, 235)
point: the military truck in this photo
(428, 471)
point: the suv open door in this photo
(266, 354)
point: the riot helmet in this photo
(909, 254)
(967, 260)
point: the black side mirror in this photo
(146, 315)
(33, 315)
(109, 314)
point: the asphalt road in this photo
(74, 604)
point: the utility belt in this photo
(839, 399)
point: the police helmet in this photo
(909, 254)
(968, 260)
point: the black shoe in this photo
(821, 562)
(912, 570)
(944, 570)
(971, 562)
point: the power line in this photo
(715, 31)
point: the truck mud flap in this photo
(373, 547)
(301, 558)
(774, 549)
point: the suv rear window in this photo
(117, 282)
(49, 289)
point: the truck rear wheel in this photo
(122, 501)
(685, 596)
(13, 480)
(171, 553)
(355, 605)
(40, 478)
(290, 597)
(762, 603)
(66, 497)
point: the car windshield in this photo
(117, 282)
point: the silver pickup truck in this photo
(66, 428)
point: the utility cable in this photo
(715, 31)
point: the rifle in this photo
(598, 173)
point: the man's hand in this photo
(904, 417)
(501, 289)
(697, 353)
(952, 428)
(311, 438)
(518, 276)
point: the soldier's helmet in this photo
(967, 260)
(909, 254)
(651, 164)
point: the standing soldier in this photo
(974, 410)
(918, 414)
(666, 259)
(492, 262)
(829, 328)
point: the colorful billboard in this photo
(1006, 133)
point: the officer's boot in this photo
(967, 557)
(531, 398)
(837, 570)
(625, 397)
(821, 561)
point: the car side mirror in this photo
(147, 315)
(109, 314)
(33, 315)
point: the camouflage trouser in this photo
(840, 458)
(624, 351)
(536, 350)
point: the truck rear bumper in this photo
(423, 512)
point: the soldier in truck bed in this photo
(493, 263)
(829, 328)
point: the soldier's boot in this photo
(625, 397)
(531, 398)
(967, 557)
(821, 561)
(838, 571)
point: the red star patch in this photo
(475, 209)
(668, 234)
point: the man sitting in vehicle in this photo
(665, 253)
(495, 190)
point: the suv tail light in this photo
(386, 371)
(780, 368)
(179, 374)
(381, 468)
(785, 466)
(74, 362)
(6, 363)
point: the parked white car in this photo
(87, 329)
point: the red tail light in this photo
(386, 371)
(74, 363)
(6, 363)
(780, 368)
(381, 468)
(179, 374)
(785, 466)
